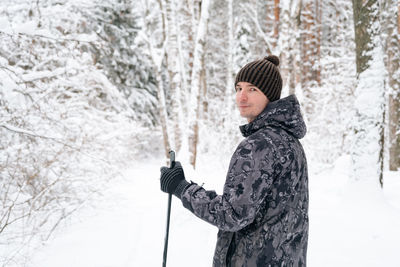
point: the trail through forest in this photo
(348, 227)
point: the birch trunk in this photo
(195, 97)
(174, 65)
(157, 56)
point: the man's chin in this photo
(243, 114)
(246, 116)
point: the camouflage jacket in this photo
(262, 215)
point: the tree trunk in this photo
(191, 13)
(289, 44)
(310, 41)
(229, 68)
(203, 82)
(393, 68)
(367, 153)
(398, 17)
(157, 60)
(196, 95)
(174, 65)
(162, 110)
(394, 131)
(271, 28)
(276, 23)
(363, 37)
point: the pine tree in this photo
(116, 23)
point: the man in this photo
(262, 215)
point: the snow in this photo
(56, 85)
(351, 223)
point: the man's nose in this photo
(242, 96)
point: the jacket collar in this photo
(283, 113)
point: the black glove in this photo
(172, 179)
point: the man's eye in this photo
(252, 89)
(238, 89)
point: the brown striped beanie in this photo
(264, 74)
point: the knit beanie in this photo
(264, 74)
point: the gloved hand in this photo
(172, 179)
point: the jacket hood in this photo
(283, 113)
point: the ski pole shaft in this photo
(171, 162)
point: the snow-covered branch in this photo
(89, 39)
(253, 17)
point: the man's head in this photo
(258, 83)
(264, 74)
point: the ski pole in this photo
(171, 162)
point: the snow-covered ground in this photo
(351, 224)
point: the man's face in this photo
(250, 100)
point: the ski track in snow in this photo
(350, 225)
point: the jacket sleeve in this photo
(249, 180)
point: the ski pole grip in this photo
(171, 158)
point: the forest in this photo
(88, 87)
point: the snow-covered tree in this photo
(330, 123)
(116, 25)
(310, 51)
(197, 81)
(59, 113)
(155, 35)
(392, 51)
(368, 144)
(289, 40)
